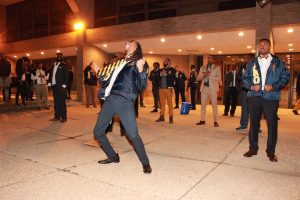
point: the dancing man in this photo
(121, 83)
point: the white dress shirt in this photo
(264, 64)
(53, 81)
(39, 80)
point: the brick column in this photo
(264, 24)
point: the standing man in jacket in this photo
(121, 83)
(264, 78)
(58, 80)
(193, 84)
(5, 70)
(90, 83)
(167, 79)
(210, 76)
(297, 105)
(231, 90)
(179, 86)
(154, 78)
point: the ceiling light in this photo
(212, 48)
(228, 56)
(220, 52)
(179, 50)
(290, 45)
(249, 47)
(57, 51)
(42, 53)
(290, 30)
(291, 49)
(233, 58)
(287, 55)
(162, 39)
(27, 54)
(253, 51)
(199, 37)
(104, 45)
(241, 34)
(15, 56)
(151, 52)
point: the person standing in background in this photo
(210, 76)
(40, 77)
(154, 78)
(90, 83)
(297, 105)
(231, 90)
(5, 70)
(193, 84)
(70, 83)
(21, 80)
(179, 86)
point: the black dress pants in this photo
(155, 93)
(231, 100)
(60, 108)
(21, 90)
(193, 97)
(118, 105)
(179, 90)
(258, 105)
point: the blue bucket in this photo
(185, 108)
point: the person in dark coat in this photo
(193, 85)
(179, 86)
(154, 78)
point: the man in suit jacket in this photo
(231, 90)
(179, 86)
(58, 80)
(210, 76)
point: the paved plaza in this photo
(45, 160)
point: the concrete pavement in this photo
(40, 159)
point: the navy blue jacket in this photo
(128, 83)
(277, 75)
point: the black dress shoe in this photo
(272, 156)
(63, 120)
(147, 169)
(232, 115)
(225, 114)
(176, 107)
(193, 108)
(115, 159)
(200, 123)
(250, 153)
(295, 112)
(160, 119)
(154, 110)
(216, 124)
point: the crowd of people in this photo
(124, 80)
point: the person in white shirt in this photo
(40, 77)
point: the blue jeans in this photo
(118, 105)
(245, 112)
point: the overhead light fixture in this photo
(212, 48)
(290, 30)
(249, 47)
(253, 51)
(15, 56)
(79, 26)
(288, 55)
(151, 52)
(219, 52)
(263, 3)
(162, 39)
(241, 34)
(290, 45)
(104, 45)
(57, 51)
(228, 56)
(291, 49)
(199, 37)
(27, 54)
(179, 50)
(42, 53)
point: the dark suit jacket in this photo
(229, 79)
(298, 85)
(61, 76)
